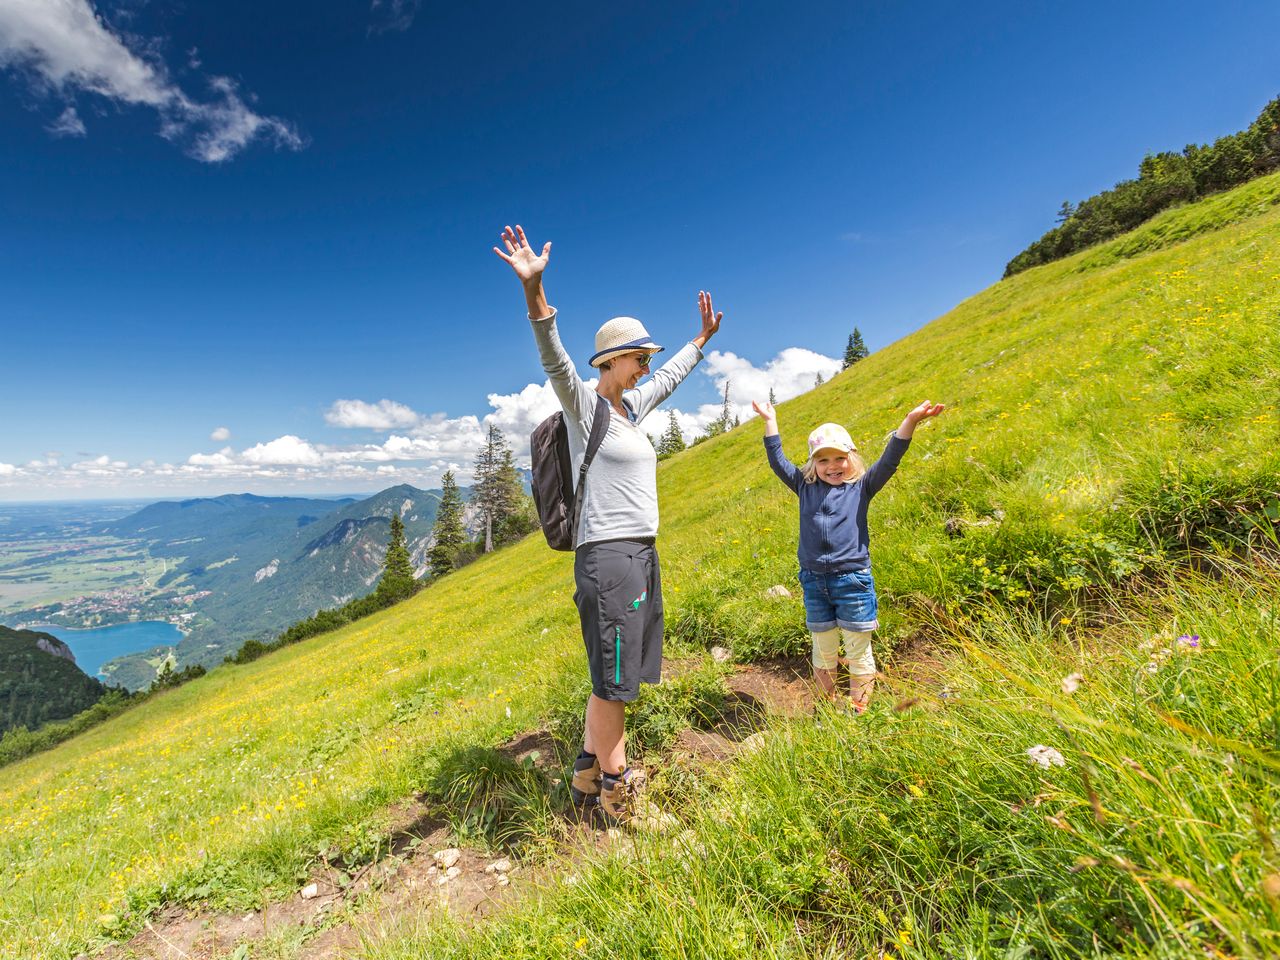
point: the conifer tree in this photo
(772, 399)
(855, 349)
(725, 422)
(520, 515)
(448, 533)
(397, 568)
(818, 381)
(497, 486)
(672, 440)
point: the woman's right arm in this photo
(576, 398)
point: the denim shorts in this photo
(846, 600)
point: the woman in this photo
(615, 570)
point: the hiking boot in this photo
(585, 786)
(618, 797)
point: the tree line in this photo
(1164, 180)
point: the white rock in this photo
(310, 891)
(247, 918)
(777, 590)
(498, 866)
(753, 742)
(503, 879)
(441, 880)
(720, 654)
(447, 858)
(453, 872)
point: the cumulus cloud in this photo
(220, 434)
(416, 448)
(66, 49)
(383, 415)
(791, 373)
(287, 450)
(223, 458)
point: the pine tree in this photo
(818, 381)
(520, 515)
(855, 349)
(672, 440)
(448, 533)
(772, 399)
(397, 568)
(724, 422)
(497, 489)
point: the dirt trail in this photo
(330, 915)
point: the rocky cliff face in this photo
(56, 647)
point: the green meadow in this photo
(1104, 486)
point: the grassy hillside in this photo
(1102, 422)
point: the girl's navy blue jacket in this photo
(833, 520)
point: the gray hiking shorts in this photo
(619, 598)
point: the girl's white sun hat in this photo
(831, 436)
(622, 335)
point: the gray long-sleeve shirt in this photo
(621, 496)
(833, 520)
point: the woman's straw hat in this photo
(622, 335)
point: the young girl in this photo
(835, 488)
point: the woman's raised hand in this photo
(710, 320)
(527, 264)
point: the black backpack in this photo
(553, 491)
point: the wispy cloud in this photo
(220, 434)
(68, 124)
(64, 48)
(393, 15)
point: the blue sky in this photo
(238, 215)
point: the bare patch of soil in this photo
(334, 911)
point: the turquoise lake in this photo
(95, 647)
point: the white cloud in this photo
(418, 448)
(285, 451)
(68, 124)
(67, 49)
(789, 374)
(393, 14)
(220, 434)
(383, 415)
(223, 458)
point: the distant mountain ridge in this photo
(253, 566)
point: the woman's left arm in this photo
(666, 378)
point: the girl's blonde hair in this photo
(810, 469)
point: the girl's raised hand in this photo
(926, 409)
(765, 409)
(527, 264)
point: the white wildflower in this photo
(1071, 682)
(1045, 757)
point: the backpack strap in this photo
(599, 427)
